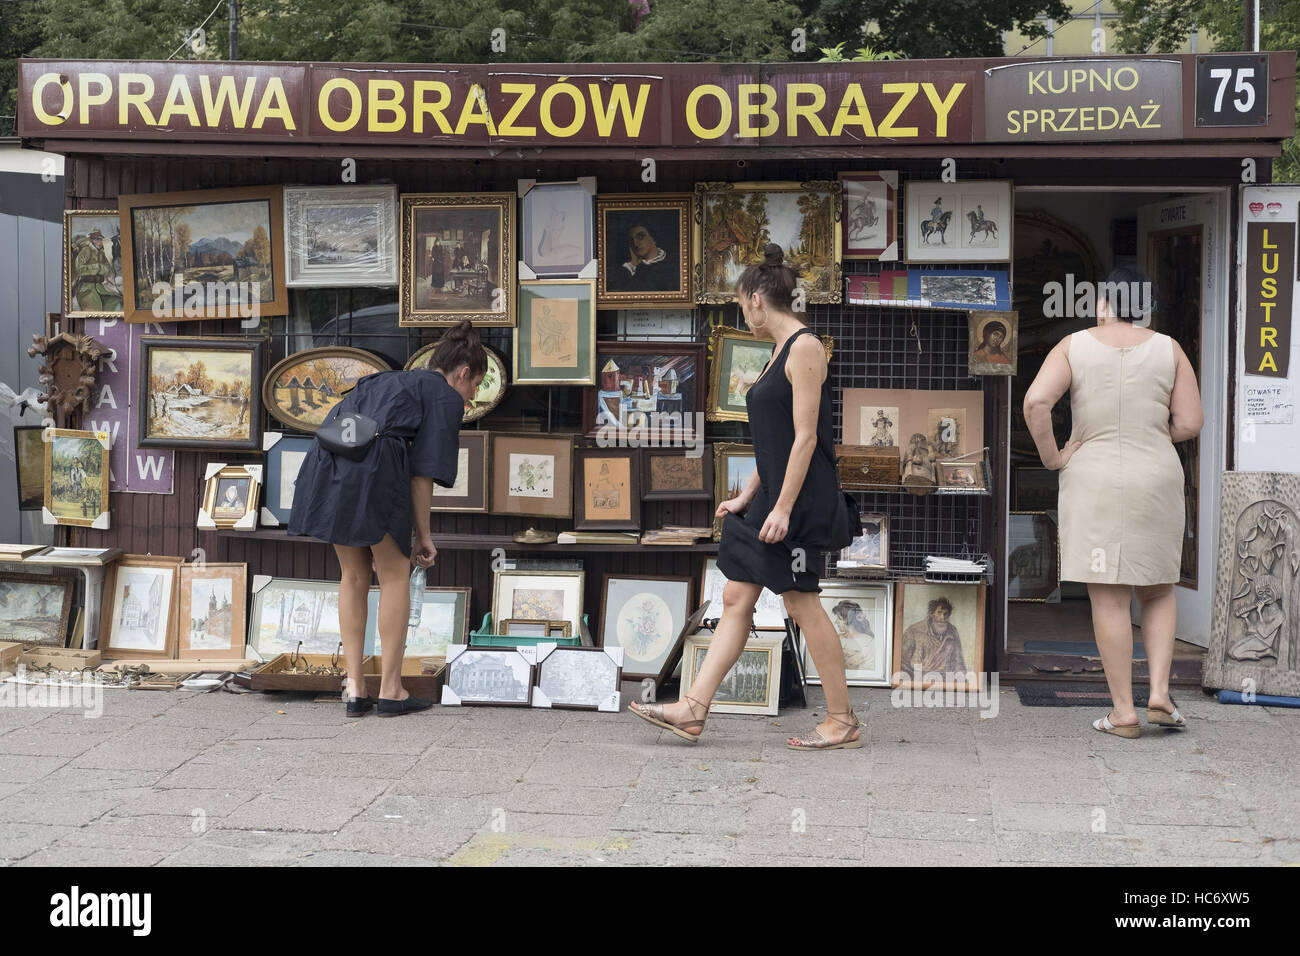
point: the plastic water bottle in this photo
(417, 596)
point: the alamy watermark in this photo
(979, 691)
(208, 300)
(86, 697)
(1078, 299)
(657, 430)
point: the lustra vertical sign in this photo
(1267, 295)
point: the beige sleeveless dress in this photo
(1121, 494)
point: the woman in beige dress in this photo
(1133, 394)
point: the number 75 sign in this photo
(1232, 90)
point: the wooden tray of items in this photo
(422, 677)
(318, 672)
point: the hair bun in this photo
(772, 255)
(461, 330)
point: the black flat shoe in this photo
(396, 708)
(358, 705)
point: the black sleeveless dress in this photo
(797, 562)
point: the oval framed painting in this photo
(301, 389)
(490, 391)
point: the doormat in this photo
(1043, 694)
(1078, 648)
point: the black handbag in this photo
(349, 435)
(847, 524)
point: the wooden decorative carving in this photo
(68, 374)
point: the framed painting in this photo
(522, 627)
(655, 388)
(643, 615)
(967, 221)
(555, 229)
(230, 496)
(870, 214)
(479, 675)
(734, 221)
(139, 617)
(961, 475)
(769, 612)
(752, 686)
(555, 342)
(606, 489)
(206, 254)
(457, 259)
(984, 289)
(1033, 557)
(284, 457)
(470, 492)
(35, 608)
(302, 388)
(92, 264)
(340, 236)
(200, 393)
(939, 635)
(671, 473)
(994, 342)
(291, 615)
(538, 596)
(870, 550)
(490, 391)
(444, 620)
(733, 464)
(863, 618)
(213, 611)
(76, 479)
(643, 244)
(736, 360)
(579, 678)
(532, 475)
(29, 459)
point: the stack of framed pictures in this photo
(549, 596)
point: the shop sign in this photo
(1111, 98)
(1267, 296)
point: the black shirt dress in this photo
(776, 566)
(358, 502)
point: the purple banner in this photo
(115, 407)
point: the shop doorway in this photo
(1078, 235)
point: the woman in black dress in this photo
(364, 508)
(789, 506)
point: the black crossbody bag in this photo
(848, 522)
(349, 435)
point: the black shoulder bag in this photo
(349, 435)
(847, 523)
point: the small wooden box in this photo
(416, 677)
(61, 658)
(272, 676)
(868, 466)
(10, 653)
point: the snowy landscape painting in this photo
(200, 393)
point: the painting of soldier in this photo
(92, 264)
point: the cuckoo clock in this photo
(67, 376)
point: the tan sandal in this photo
(1119, 730)
(654, 713)
(815, 741)
(1160, 718)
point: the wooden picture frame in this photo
(140, 625)
(532, 474)
(556, 227)
(547, 596)
(422, 641)
(79, 227)
(988, 357)
(739, 692)
(29, 466)
(725, 476)
(961, 475)
(672, 474)
(285, 454)
(869, 552)
(914, 604)
(1033, 565)
(470, 493)
(76, 479)
(340, 236)
(652, 388)
(475, 676)
(660, 223)
(30, 596)
(606, 489)
(862, 614)
(658, 609)
(736, 360)
(527, 627)
(579, 678)
(490, 391)
(977, 221)
(289, 612)
(169, 388)
(555, 337)
(870, 214)
(218, 220)
(212, 594)
(302, 388)
(483, 224)
(231, 495)
(726, 243)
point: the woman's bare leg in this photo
(805, 608)
(1159, 620)
(394, 569)
(354, 585)
(1113, 628)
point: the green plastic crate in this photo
(484, 637)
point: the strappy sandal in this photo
(1125, 730)
(654, 713)
(1172, 721)
(815, 741)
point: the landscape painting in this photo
(200, 393)
(213, 621)
(301, 390)
(289, 612)
(341, 235)
(139, 607)
(34, 608)
(76, 478)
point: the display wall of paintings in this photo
(579, 678)
(607, 489)
(555, 228)
(644, 251)
(340, 235)
(29, 460)
(302, 388)
(733, 464)
(938, 635)
(214, 253)
(458, 259)
(769, 611)
(994, 342)
(863, 618)
(1033, 557)
(555, 341)
(287, 611)
(645, 385)
(76, 479)
(139, 616)
(869, 551)
(213, 611)
(643, 615)
(284, 457)
(34, 608)
(538, 596)
(532, 475)
(870, 214)
(752, 686)
(932, 425)
(470, 492)
(200, 393)
(969, 221)
(673, 473)
(230, 496)
(444, 620)
(735, 221)
(477, 676)
(490, 390)
(92, 264)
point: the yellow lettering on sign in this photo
(1268, 311)
(507, 126)
(274, 105)
(906, 93)
(179, 101)
(213, 108)
(1267, 362)
(579, 109)
(620, 104)
(794, 109)
(469, 113)
(38, 107)
(86, 99)
(1269, 286)
(692, 111)
(354, 104)
(1267, 336)
(853, 111)
(749, 109)
(126, 98)
(422, 106)
(386, 104)
(1267, 244)
(942, 107)
(1274, 258)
